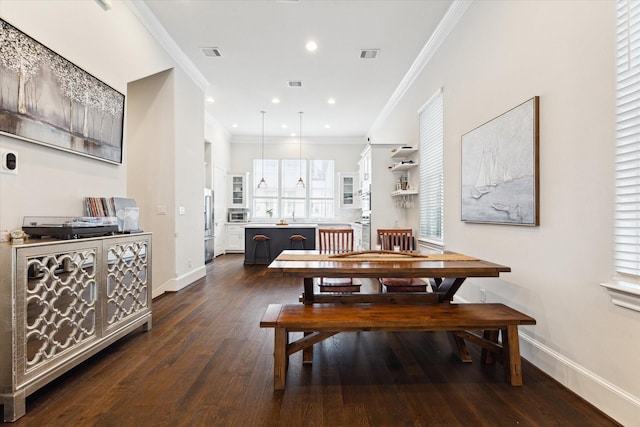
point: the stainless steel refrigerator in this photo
(209, 241)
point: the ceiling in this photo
(262, 47)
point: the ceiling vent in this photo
(294, 83)
(213, 52)
(369, 53)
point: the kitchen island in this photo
(279, 239)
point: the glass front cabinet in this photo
(238, 195)
(348, 183)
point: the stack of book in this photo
(124, 209)
(99, 206)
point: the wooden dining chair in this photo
(400, 239)
(336, 241)
(391, 238)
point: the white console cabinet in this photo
(61, 301)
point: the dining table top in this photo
(440, 264)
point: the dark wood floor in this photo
(206, 362)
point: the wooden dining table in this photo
(445, 270)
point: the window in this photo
(627, 221)
(294, 203)
(625, 288)
(287, 200)
(431, 170)
(265, 198)
(322, 189)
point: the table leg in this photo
(307, 353)
(308, 290)
(448, 288)
(280, 358)
(511, 355)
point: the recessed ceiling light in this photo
(311, 46)
(235, 125)
(210, 99)
(327, 126)
(293, 134)
(283, 126)
(331, 101)
(275, 100)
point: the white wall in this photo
(189, 179)
(151, 123)
(499, 55)
(116, 48)
(51, 182)
(220, 141)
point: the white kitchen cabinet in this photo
(234, 238)
(238, 190)
(348, 183)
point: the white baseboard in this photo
(609, 398)
(181, 282)
(617, 403)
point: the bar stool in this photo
(297, 240)
(265, 242)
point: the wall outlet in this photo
(483, 295)
(9, 161)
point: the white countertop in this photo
(274, 225)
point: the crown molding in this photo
(151, 23)
(446, 25)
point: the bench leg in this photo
(307, 353)
(488, 357)
(511, 355)
(459, 347)
(280, 358)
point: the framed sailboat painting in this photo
(500, 170)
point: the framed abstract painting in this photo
(500, 168)
(48, 100)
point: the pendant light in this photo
(262, 183)
(300, 183)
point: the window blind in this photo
(431, 169)
(627, 216)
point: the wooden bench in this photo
(321, 321)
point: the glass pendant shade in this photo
(300, 183)
(263, 182)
